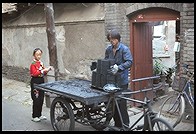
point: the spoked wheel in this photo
(61, 115)
(172, 110)
(161, 125)
(98, 117)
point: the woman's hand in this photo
(46, 69)
(50, 68)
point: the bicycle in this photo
(173, 107)
(151, 121)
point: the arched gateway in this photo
(141, 22)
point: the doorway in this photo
(142, 34)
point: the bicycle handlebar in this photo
(188, 73)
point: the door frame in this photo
(148, 15)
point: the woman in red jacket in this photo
(37, 71)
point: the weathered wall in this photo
(80, 39)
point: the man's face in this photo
(114, 42)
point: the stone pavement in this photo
(20, 92)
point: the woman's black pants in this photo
(37, 101)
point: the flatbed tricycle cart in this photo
(77, 101)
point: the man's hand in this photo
(114, 69)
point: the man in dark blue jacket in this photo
(123, 61)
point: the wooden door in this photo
(142, 56)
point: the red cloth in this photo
(36, 67)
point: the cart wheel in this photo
(97, 117)
(61, 115)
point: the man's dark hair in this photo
(114, 34)
(108, 36)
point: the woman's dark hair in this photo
(35, 50)
(114, 34)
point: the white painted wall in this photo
(167, 31)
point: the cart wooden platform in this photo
(76, 101)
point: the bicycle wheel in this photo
(100, 117)
(172, 109)
(61, 115)
(159, 124)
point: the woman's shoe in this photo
(42, 117)
(36, 119)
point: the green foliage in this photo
(158, 67)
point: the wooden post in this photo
(50, 29)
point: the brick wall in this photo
(187, 46)
(115, 18)
(187, 35)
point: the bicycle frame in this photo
(185, 95)
(188, 96)
(188, 87)
(170, 107)
(186, 91)
(148, 114)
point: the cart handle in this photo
(145, 78)
(143, 90)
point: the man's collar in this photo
(119, 45)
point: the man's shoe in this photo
(42, 117)
(36, 119)
(108, 129)
(111, 129)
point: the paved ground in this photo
(20, 92)
(17, 109)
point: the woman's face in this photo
(38, 55)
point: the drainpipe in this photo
(50, 29)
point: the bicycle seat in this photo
(110, 88)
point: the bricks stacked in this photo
(102, 75)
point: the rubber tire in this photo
(100, 125)
(180, 108)
(161, 121)
(66, 108)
